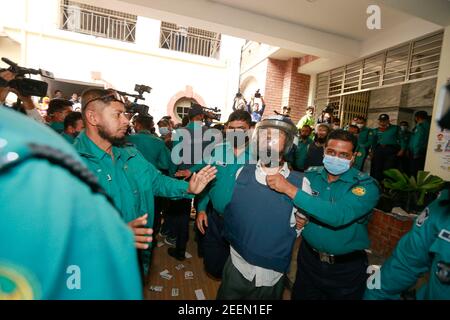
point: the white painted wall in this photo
(75, 56)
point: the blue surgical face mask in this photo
(164, 131)
(336, 166)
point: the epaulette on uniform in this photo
(314, 169)
(20, 154)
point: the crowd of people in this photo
(119, 180)
(384, 147)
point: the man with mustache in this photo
(228, 158)
(314, 156)
(129, 179)
(261, 233)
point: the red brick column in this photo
(286, 87)
(274, 85)
(385, 230)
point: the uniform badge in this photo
(445, 235)
(14, 286)
(423, 216)
(220, 163)
(443, 272)
(359, 191)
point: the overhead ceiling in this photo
(341, 17)
(334, 30)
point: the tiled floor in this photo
(162, 261)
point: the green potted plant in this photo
(412, 194)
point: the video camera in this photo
(134, 107)
(211, 113)
(257, 94)
(140, 88)
(25, 86)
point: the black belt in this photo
(333, 259)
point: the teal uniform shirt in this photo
(189, 154)
(68, 137)
(129, 179)
(57, 126)
(340, 210)
(419, 139)
(405, 137)
(53, 226)
(300, 154)
(153, 149)
(426, 248)
(366, 137)
(361, 154)
(220, 190)
(391, 136)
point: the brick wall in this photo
(385, 230)
(273, 93)
(286, 87)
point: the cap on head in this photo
(383, 117)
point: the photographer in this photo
(239, 102)
(27, 105)
(12, 80)
(256, 107)
(326, 116)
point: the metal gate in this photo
(353, 105)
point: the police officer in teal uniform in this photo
(73, 125)
(152, 148)
(365, 140)
(405, 136)
(337, 200)
(425, 249)
(387, 147)
(301, 150)
(366, 135)
(228, 158)
(130, 180)
(419, 142)
(187, 153)
(60, 237)
(57, 111)
(360, 151)
(154, 151)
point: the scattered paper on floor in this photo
(175, 292)
(200, 295)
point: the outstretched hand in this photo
(201, 179)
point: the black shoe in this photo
(175, 254)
